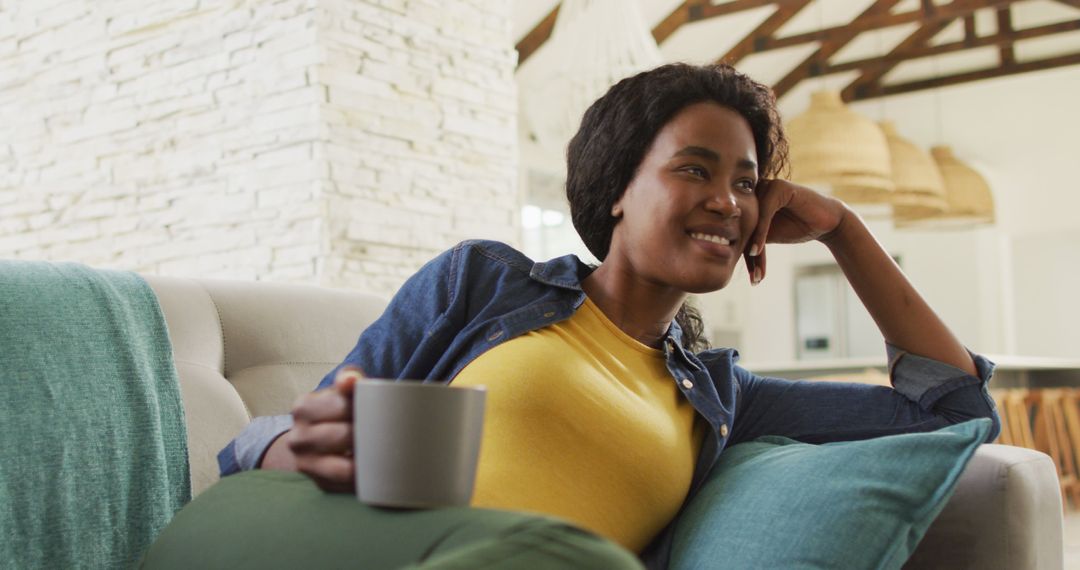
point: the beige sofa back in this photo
(250, 349)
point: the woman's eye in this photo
(696, 171)
(746, 185)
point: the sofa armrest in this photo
(1006, 514)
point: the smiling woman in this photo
(688, 213)
(606, 409)
(703, 121)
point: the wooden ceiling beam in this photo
(951, 47)
(970, 33)
(1004, 22)
(674, 20)
(871, 75)
(933, 17)
(956, 79)
(948, 12)
(537, 36)
(870, 78)
(688, 11)
(811, 66)
(697, 10)
(766, 29)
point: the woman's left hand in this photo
(789, 213)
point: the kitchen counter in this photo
(1013, 371)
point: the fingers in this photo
(330, 404)
(322, 438)
(346, 378)
(769, 203)
(755, 266)
(323, 406)
(332, 473)
(322, 449)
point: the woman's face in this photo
(689, 211)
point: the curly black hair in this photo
(618, 129)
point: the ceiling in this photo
(867, 48)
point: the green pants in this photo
(269, 519)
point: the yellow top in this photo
(584, 423)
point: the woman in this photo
(604, 372)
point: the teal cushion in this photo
(777, 503)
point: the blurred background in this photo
(345, 142)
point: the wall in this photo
(308, 140)
(1046, 280)
(148, 137)
(421, 134)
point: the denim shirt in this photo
(480, 294)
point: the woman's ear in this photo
(616, 210)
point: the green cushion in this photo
(777, 503)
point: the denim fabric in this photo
(482, 293)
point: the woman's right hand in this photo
(320, 442)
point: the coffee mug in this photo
(416, 445)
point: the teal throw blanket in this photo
(93, 449)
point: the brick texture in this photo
(343, 142)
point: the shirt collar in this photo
(566, 272)
(674, 333)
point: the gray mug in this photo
(416, 445)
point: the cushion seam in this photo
(224, 347)
(301, 362)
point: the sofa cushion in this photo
(244, 350)
(777, 503)
(1006, 514)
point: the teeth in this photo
(712, 238)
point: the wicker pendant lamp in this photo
(920, 189)
(839, 151)
(970, 202)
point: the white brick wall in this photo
(419, 157)
(338, 141)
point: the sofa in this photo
(247, 349)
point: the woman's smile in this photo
(716, 240)
(689, 211)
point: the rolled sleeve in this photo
(924, 381)
(944, 389)
(245, 452)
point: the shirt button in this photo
(686, 383)
(723, 430)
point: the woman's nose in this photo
(723, 202)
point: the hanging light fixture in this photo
(593, 45)
(920, 189)
(969, 200)
(834, 149)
